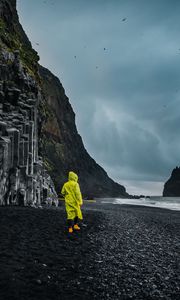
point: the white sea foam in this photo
(172, 203)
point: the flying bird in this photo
(104, 49)
(74, 56)
(37, 44)
(124, 19)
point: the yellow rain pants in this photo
(73, 198)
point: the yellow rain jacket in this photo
(73, 198)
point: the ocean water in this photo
(172, 203)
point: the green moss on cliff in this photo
(12, 41)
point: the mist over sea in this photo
(172, 203)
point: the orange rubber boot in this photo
(76, 227)
(70, 230)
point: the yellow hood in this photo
(72, 176)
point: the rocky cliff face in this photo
(172, 186)
(62, 146)
(36, 118)
(23, 179)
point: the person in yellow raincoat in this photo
(73, 201)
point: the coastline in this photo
(171, 203)
(122, 252)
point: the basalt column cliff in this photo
(23, 178)
(38, 136)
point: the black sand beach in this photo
(122, 252)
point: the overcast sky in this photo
(119, 62)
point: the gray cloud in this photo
(126, 96)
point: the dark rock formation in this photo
(37, 118)
(63, 149)
(172, 186)
(23, 179)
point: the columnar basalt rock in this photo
(23, 176)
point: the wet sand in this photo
(122, 252)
